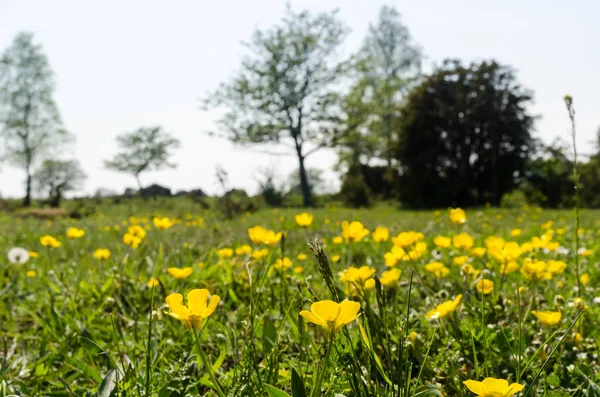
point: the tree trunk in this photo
(139, 183)
(304, 185)
(55, 199)
(27, 199)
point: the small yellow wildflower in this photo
(153, 282)
(49, 241)
(163, 223)
(381, 234)
(31, 273)
(457, 215)
(353, 231)
(445, 309)
(282, 264)
(74, 233)
(198, 307)
(485, 286)
(180, 273)
(304, 219)
(331, 315)
(102, 254)
(492, 387)
(548, 317)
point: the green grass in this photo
(83, 326)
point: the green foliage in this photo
(387, 65)
(145, 149)
(548, 177)
(29, 119)
(355, 192)
(464, 136)
(286, 91)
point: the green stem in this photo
(208, 367)
(316, 391)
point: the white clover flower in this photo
(18, 256)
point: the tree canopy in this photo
(29, 119)
(287, 90)
(145, 149)
(464, 136)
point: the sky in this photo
(120, 65)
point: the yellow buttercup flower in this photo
(225, 253)
(485, 286)
(353, 231)
(335, 258)
(337, 240)
(282, 264)
(515, 232)
(132, 240)
(492, 387)
(31, 273)
(198, 307)
(163, 223)
(102, 253)
(381, 234)
(360, 277)
(304, 219)
(243, 250)
(460, 260)
(463, 241)
(302, 257)
(49, 241)
(584, 278)
(137, 231)
(442, 242)
(390, 277)
(180, 273)
(74, 233)
(478, 251)
(548, 317)
(438, 269)
(33, 254)
(153, 282)
(406, 239)
(332, 315)
(260, 254)
(445, 309)
(260, 235)
(457, 215)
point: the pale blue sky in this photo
(124, 64)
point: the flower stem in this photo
(208, 367)
(316, 391)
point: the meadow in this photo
(333, 302)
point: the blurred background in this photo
(426, 104)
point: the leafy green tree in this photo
(29, 119)
(387, 65)
(56, 177)
(464, 136)
(548, 175)
(144, 149)
(286, 92)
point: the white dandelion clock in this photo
(18, 255)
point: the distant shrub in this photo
(355, 192)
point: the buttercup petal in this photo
(197, 300)
(475, 387)
(175, 302)
(214, 301)
(307, 314)
(349, 311)
(514, 389)
(326, 310)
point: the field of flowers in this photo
(334, 302)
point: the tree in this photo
(56, 177)
(286, 90)
(144, 149)
(387, 65)
(548, 176)
(464, 136)
(316, 181)
(29, 119)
